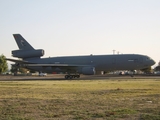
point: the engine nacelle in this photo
(27, 53)
(88, 70)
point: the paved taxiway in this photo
(83, 77)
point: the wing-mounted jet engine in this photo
(88, 71)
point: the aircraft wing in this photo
(72, 68)
(29, 64)
(54, 65)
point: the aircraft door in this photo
(91, 62)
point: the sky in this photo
(82, 27)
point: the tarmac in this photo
(83, 77)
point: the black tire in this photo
(77, 76)
(66, 76)
(70, 76)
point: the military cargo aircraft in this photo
(73, 66)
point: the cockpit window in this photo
(148, 58)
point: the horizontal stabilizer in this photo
(18, 61)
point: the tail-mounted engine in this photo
(27, 53)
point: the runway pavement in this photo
(83, 77)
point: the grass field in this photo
(132, 99)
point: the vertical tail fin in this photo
(26, 51)
(22, 43)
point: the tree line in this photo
(3, 64)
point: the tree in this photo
(3, 64)
(16, 68)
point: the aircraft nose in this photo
(153, 62)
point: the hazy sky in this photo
(82, 27)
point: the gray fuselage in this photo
(99, 62)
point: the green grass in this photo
(137, 99)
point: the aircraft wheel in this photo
(70, 76)
(66, 76)
(77, 76)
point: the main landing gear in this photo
(71, 76)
